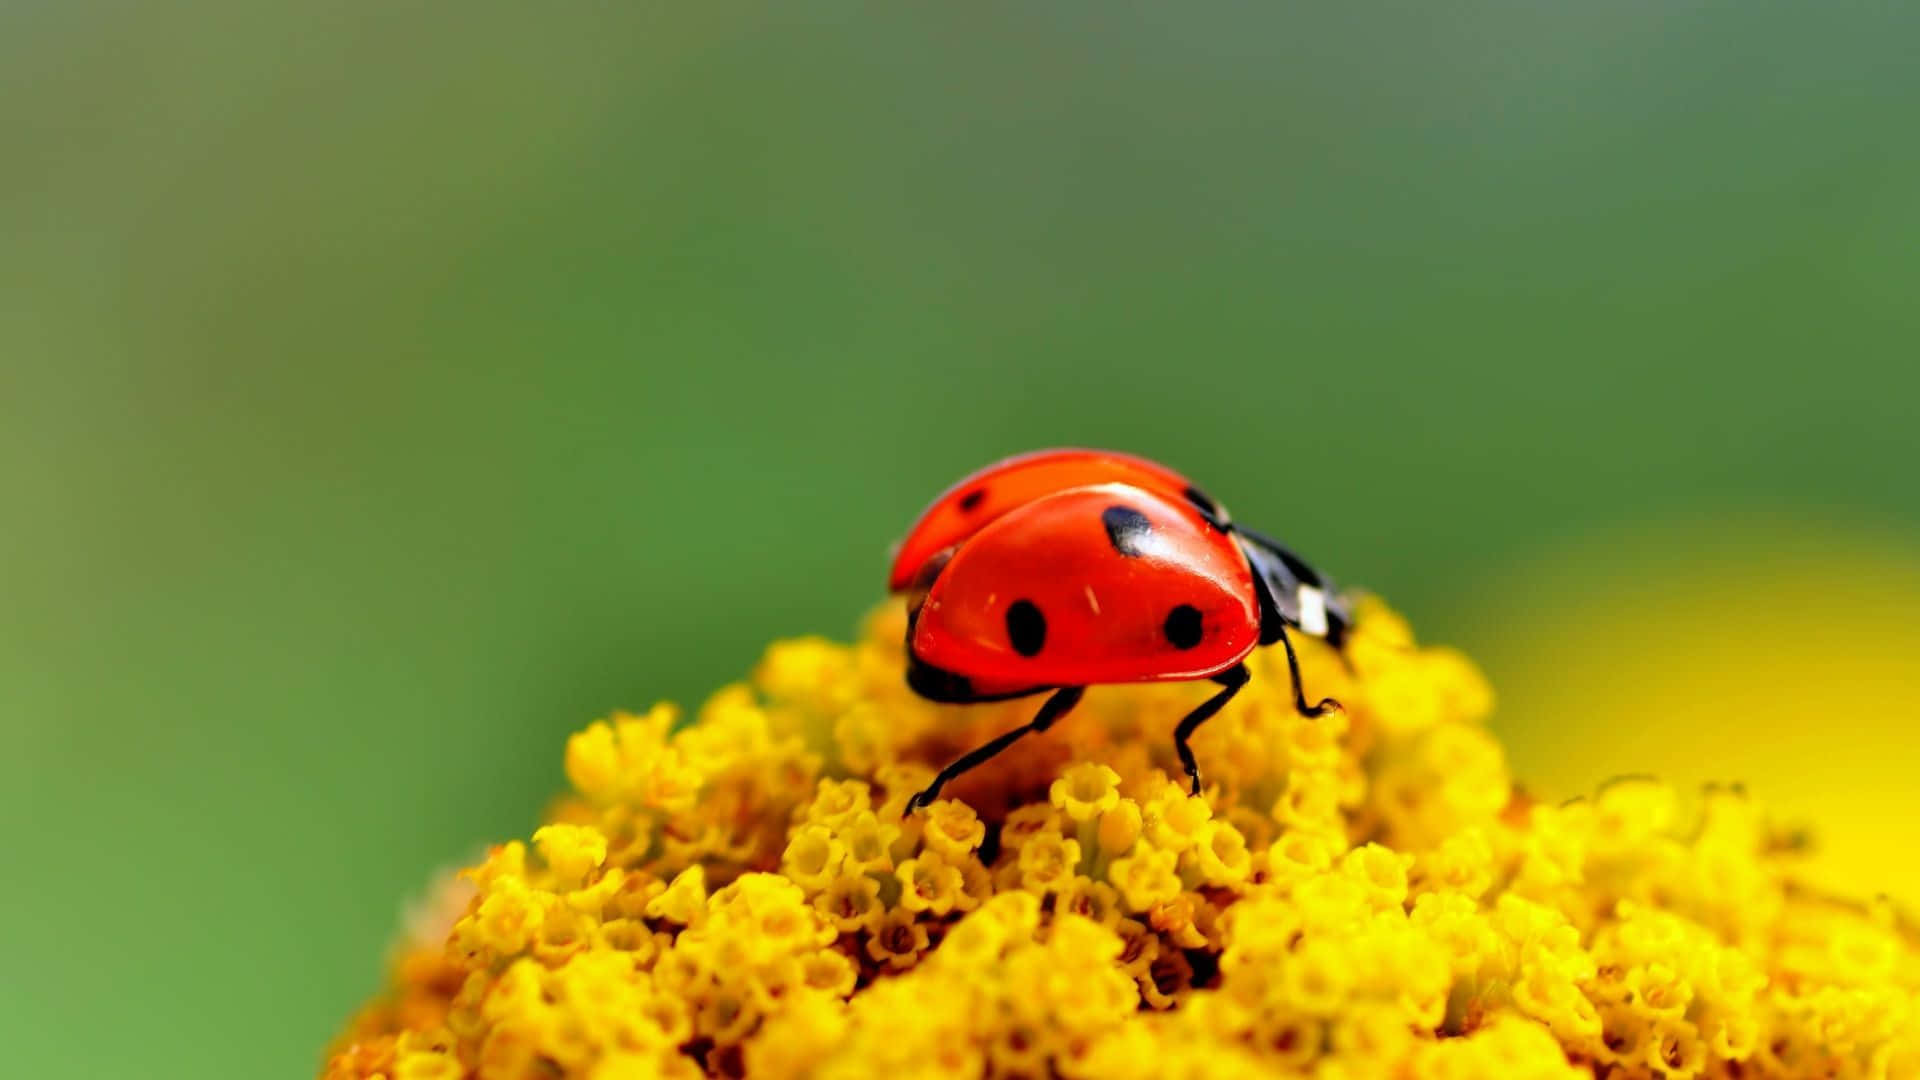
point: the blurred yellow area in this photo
(1761, 651)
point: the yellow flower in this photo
(1025, 822)
(1454, 922)
(953, 829)
(813, 857)
(1146, 877)
(829, 972)
(1299, 855)
(929, 883)
(507, 920)
(835, 802)
(671, 783)
(851, 902)
(728, 1013)
(897, 940)
(1675, 1048)
(1174, 818)
(1047, 861)
(1311, 802)
(625, 935)
(1085, 791)
(1365, 896)
(1095, 901)
(1624, 1036)
(1658, 989)
(563, 933)
(571, 851)
(1182, 920)
(1462, 863)
(868, 842)
(1222, 854)
(1380, 871)
(685, 901)
(602, 761)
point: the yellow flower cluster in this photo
(1361, 895)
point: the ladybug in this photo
(1057, 570)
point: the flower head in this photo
(1364, 894)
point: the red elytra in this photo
(969, 505)
(1061, 569)
(1104, 570)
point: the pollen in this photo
(739, 892)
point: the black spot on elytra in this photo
(1026, 627)
(971, 500)
(1215, 514)
(1183, 627)
(1127, 529)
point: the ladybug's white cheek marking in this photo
(1313, 610)
(1092, 601)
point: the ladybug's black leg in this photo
(1233, 679)
(1056, 706)
(1326, 704)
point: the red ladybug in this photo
(1060, 569)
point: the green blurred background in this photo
(386, 389)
